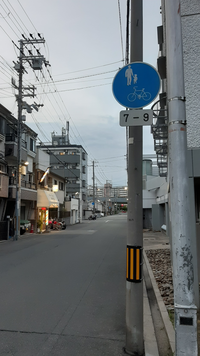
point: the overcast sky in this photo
(84, 49)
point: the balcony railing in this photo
(24, 183)
(13, 138)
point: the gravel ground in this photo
(160, 262)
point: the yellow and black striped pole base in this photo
(134, 264)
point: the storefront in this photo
(46, 200)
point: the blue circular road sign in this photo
(136, 85)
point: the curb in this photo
(163, 310)
(150, 343)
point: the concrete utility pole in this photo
(93, 189)
(19, 134)
(134, 284)
(35, 60)
(182, 251)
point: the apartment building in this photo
(8, 168)
(69, 163)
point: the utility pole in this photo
(35, 60)
(19, 167)
(93, 188)
(182, 251)
(134, 283)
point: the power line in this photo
(72, 89)
(120, 24)
(83, 70)
(27, 16)
(85, 76)
(55, 91)
(108, 158)
(18, 17)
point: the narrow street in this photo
(63, 293)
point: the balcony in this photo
(11, 148)
(65, 159)
(28, 189)
(24, 183)
(63, 172)
(72, 187)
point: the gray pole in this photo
(134, 284)
(18, 175)
(93, 189)
(183, 259)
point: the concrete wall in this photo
(4, 186)
(190, 12)
(42, 159)
(73, 207)
(149, 198)
(158, 216)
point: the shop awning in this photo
(46, 199)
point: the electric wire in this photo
(73, 89)
(27, 16)
(37, 78)
(84, 70)
(76, 78)
(85, 76)
(121, 35)
(14, 18)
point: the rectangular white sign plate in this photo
(136, 117)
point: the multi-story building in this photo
(8, 157)
(69, 163)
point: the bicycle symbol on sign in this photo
(140, 94)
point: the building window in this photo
(32, 145)
(83, 183)
(83, 169)
(84, 197)
(2, 168)
(61, 186)
(30, 178)
(55, 182)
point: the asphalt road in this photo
(63, 293)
